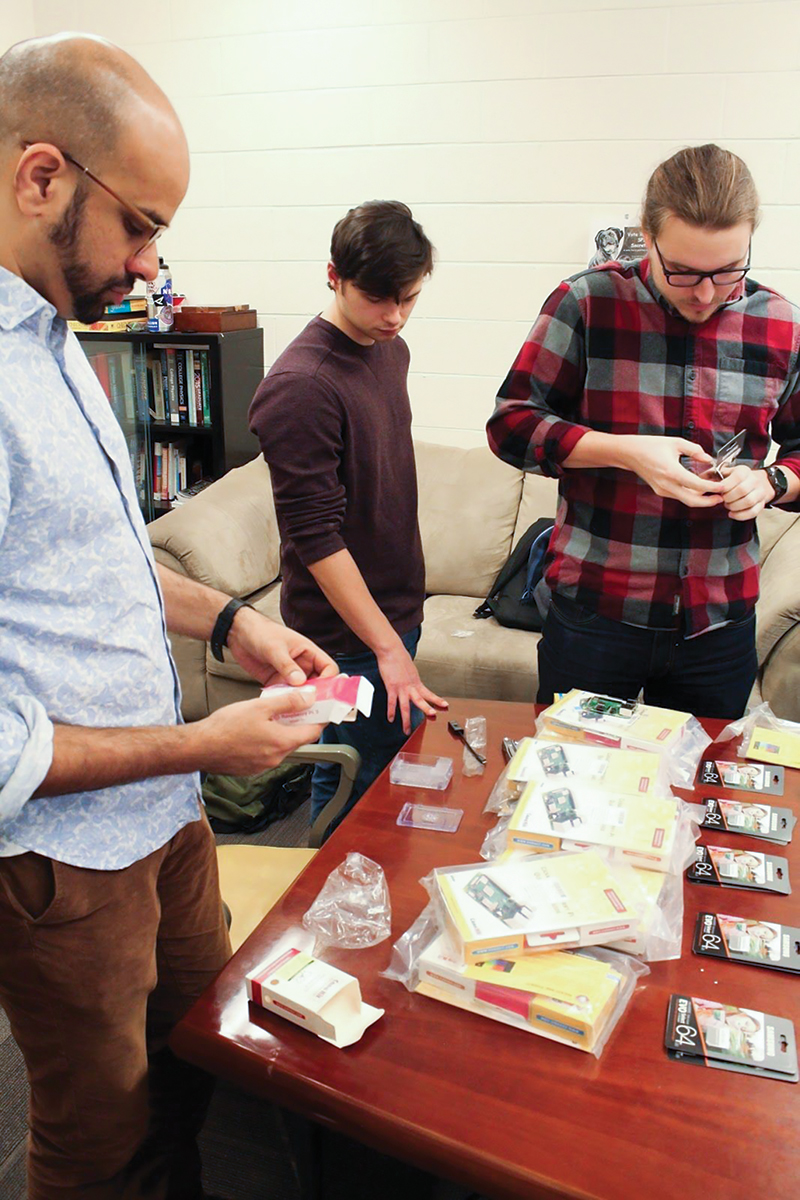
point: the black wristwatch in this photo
(778, 479)
(222, 627)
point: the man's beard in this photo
(87, 296)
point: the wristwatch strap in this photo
(222, 626)
(779, 482)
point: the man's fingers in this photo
(405, 714)
(287, 699)
(699, 499)
(287, 668)
(693, 451)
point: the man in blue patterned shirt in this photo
(110, 917)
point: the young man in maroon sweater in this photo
(334, 422)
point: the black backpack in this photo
(519, 597)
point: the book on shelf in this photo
(100, 366)
(205, 386)
(189, 380)
(185, 385)
(170, 470)
(180, 382)
(124, 323)
(191, 491)
(155, 372)
(131, 304)
(172, 384)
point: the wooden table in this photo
(498, 1109)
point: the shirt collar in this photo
(646, 276)
(19, 302)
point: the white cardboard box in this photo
(312, 994)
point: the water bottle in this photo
(159, 300)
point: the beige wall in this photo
(506, 125)
(16, 22)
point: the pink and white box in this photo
(338, 698)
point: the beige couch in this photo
(472, 510)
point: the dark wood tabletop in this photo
(501, 1110)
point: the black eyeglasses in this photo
(689, 279)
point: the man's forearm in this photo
(191, 608)
(601, 450)
(344, 588)
(86, 759)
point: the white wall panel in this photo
(17, 22)
(508, 125)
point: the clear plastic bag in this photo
(475, 734)
(497, 842)
(661, 934)
(683, 757)
(408, 947)
(404, 968)
(762, 716)
(353, 910)
(540, 760)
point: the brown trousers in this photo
(96, 967)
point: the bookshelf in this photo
(181, 400)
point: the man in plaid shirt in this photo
(632, 379)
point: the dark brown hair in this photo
(380, 248)
(703, 186)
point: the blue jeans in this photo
(375, 738)
(710, 675)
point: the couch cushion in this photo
(772, 524)
(468, 502)
(539, 499)
(227, 537)
(489, 663)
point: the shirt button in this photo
(691, 376)
(690, 425)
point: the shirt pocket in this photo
(749, 385)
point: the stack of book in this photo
(170, 471)
(128, 317)
(178, 385)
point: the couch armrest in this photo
(227, 537)
(778, 608)
(778, 612)
(779, 676)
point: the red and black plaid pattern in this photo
(609, 353)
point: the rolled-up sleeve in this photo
(26, 731)
(26, 753)
(533, 425)
(786, 431)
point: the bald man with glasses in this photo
(111, 922)
(630, 384)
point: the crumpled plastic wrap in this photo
(353, 910)
(761, 717)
